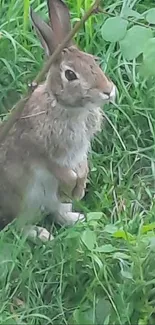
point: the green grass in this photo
(101, 271)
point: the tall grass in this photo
(101, 271)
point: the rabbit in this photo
(47, 148)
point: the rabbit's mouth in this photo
(109, 97)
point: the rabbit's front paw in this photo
(82, 172)
(67, 184)
(78, 193)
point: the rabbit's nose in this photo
(112, 94)
(109, 95)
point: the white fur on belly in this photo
(41, 192)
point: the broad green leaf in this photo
(121, 255)
(128, 12)
(152, 243)
(89, 238)
(103, 309)
(122, 234)
(110, 229)
(126, 274)
(149, 69)
(105, 248)
(148, 227)
(82, 317)
(114, 29)
(94, 216)
(73, 234)
(93, 223)
(134, 41)
(142, 321)
(150, 16)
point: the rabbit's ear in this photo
(59, 18)
(44, 32)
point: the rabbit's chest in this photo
(76, 145)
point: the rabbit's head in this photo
(75, 79)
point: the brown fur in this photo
(45, 148)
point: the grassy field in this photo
(101, 271)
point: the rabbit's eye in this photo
(70, 75)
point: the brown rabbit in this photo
(48, 147)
